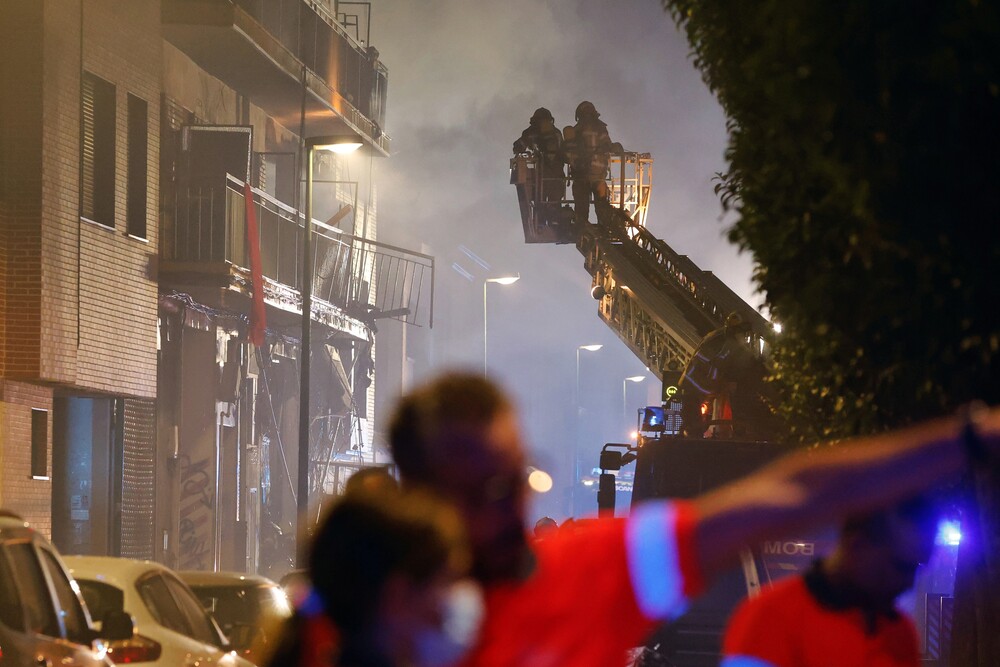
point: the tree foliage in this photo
(864, 165)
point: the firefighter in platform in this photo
(544, 139)
(588, 146)
(721, 372)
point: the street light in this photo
(502, 280)
(343, 144)
(594, 347)
(539, 481)
(633, 378)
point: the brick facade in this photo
(78, 301)
(78, 304)
(18, 491)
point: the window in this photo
(40, 617)
(11, 612)
(138, 136)
(101, 598)
(74, 619)
(39, 443)
(97, 150)
(161, 605)
(197, 618)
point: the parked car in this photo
(251, 609)
(296, 585)
(43, 621)
(171, 627)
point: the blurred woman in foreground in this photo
(388, 570)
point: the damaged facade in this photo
(125, 282)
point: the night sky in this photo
(464, 77)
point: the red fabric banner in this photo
(258, 316)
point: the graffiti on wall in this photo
(197, 508)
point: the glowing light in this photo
(340, 148)
(539, 480)
(504, 280)
(776, 326)
(345, 143)
(591, 348)
(634, 435)
(949, 533)
(636, 378)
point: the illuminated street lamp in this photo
(343, 144)
(502, 280)
(539, 481)
(633, 378)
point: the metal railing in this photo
(366, 279)
(310, 32)
(662, 264)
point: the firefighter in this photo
(588, 157)
(543, 138)
(722, 358)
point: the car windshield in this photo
(244, 605)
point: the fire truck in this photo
(707, 346)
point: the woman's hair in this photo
(375, 532)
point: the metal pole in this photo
(576, 433)
(302, 500)
(625, 401)
(485, 369)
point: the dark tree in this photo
(864, 165)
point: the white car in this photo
(171, 627)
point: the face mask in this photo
(462, 614)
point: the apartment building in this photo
(79, 159)
(141, 144)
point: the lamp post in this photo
(576, 420)
(502, 280)
(338, 144)
(633, 378)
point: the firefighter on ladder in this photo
(543, 138)
(588, 146)
(709, 381)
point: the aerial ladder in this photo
(669, 312)
(705, 344)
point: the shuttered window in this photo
(138, 133)
(97, 150)
(39, 443)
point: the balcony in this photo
(260, 48)
(356, 281)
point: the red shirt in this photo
(596, 592)
(786, 626)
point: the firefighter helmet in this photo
(541, 113)
(586, 110)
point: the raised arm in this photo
(814, 486)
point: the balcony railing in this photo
(328, 49)
(365, 279)
(259, 48)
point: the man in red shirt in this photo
(584, 597)
(842, 610)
